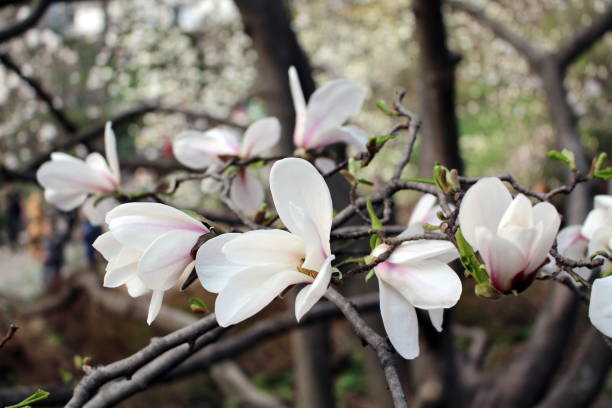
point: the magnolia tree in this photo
(490, 229)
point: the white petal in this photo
(310, 193)
(411, 251)
(261, 247)
(246, 191)
(423, 209)
(571, 243)
(525, 239)
(299, 104)
(165, 259)
(251, 290)
(213, 268)
(503, 259)
(107, 245)
(425, 284)
(324, 164)
(262, 135)
(311, 294)
(603, 201)
(483, 205)
(518, 214)
(65, 201)
(329, 107)
(110, 148)
(72, 176)
(98, 163)
(400, 321)
(316, 250)
(600, 306)
(96, 213)
(547, 214)
(339, 134)
(154, 307)
(120, 275)
(198, 150)
(595, 219)
(602, 241)
(211, 186)
(135, 287)
(437, 318)
(59, 156)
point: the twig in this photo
(9, 334)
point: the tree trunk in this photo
(440, 140)
(268, 24)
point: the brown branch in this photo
(27, 23)
(586, 36)
(9, 334)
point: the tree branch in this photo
(27, 23)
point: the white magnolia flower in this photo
(249, 270)
(198, 150)
(319, 123)
(600, 306)
(597, 227)
(512, 237)
(416, 275)
(148, 247)
(571, 244)
(68, 181)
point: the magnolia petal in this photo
(400, 321)
(437, 318)
(246, 191)
(483, 205)
(524, 238)
(187, 149)
(299, 104)
(324, 164)
(310, 194)
(426, 284)
(125, 257)
(262, 135)
(211, 186)
(603, 201)
(155, 306)
(316, 251)
(107, 245)
(98, 163)
(65, 201)
(311, 294)
(422, 209)
(72, 176)
(261, 247)
(329, 107)
(166, 258)
(518, 214)
(60, 156)
(602, 241)
(120, 275)
(339, 134)
(546, 214)
(600, 306)
(135, 287)
(110, 148)
(595, 219)
(213, 268)
(502, 258)
(250, 290)
(411, 251)
(96, 213)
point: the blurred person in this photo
(13, 216)
(37, 224)
(90, 233)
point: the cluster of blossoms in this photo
(150, 246)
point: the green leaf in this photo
(370, 274)
(384, 108)
(351, 260)
(380, 140)
(258, 164)
(469, 260)
(376, 224)
(603, 174)
(39, 395)
(439, 176)
(565, 156)
(353, 166)
(197, 305)
(366, 182)
(421, 180)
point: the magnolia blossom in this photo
(512, 237)
(249, 270)
(198, 150)
(600, 305)
(319, 123)
(148, 247)
(416, 275)
(68, 181)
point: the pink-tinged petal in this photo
(65, 201)
(262, 135)
(571, 243)
(400, 321)
(72, 176)
(546, 214)
(246, 191)
(503, 259)
(339, 134)
(299, 104)
(59, 156)
(166, 258)
(600, 306)
(211, 186)
(213, 268)
(595, 219)
(329, 107)
(198, 150)
(97, 163)
(324, 164)
(137, 225)
(135, 287)
(311, 294)
(110, 148)
(297, 182)
(107, 245)
(262, 247)
(96, 213)
(525, 239)
(423, 209)
(157, 297)
(518, 214)
(425, 284)
(483, 205)
(251, 290)
(411, 251)
(437, 318)
(119, 275)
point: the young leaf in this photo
(469, 260)
(421, 180)
(370, 275)
(197, 305)
(39, 395)
(384, 108)
(565, 156)
(376, 224)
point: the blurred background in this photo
(497, 83)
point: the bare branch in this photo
(9, 334)
(27, 23)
